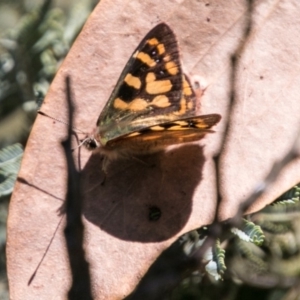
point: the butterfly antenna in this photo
(81, 143)
(60, 121)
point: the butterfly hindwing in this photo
(166, 134)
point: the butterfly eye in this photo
(90, 143)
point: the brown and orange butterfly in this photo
(153, 104)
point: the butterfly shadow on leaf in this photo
(145, 202)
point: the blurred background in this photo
(35, 36)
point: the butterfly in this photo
(153, 104)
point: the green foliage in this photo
(249, 232)
(249, 257)
(216, 265)
(10, 160)
(276, 255)
(214, 256)
(263, 252)
(30, 54)
(292, 196)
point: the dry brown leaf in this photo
(121, 243)
(265, 121)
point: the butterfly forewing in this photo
(149, 86)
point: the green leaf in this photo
(216, 264)
(249, 232)
(10, 160)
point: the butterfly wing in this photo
(149, 90)
(171, 133)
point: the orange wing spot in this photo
(157, 128)
(181, 123)
(120, 104)
(135, 105)
(133, 134)
(172, 68)
(175, 127)
(167, 58)
(201, 125)
(158, 87)
(138, 104)
(161, 101)
(146, 59)
(161, 49)
(154, 87)
(150, 77)
(153, 42)
(182, 106)
(133, 81)
(135, 54)
(190, 105)
(187, 90)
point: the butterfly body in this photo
(153, 104)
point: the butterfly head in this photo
(92, 141)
